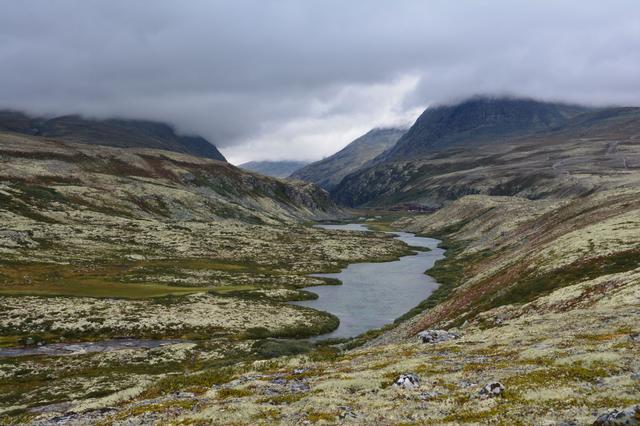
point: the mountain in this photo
(43, 178)
(280, 169)
(576, 155)
(111, 132)
(477, 120)
(329, 172)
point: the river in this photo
(374, 294)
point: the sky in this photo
(299, 79)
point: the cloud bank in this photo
(289, 79)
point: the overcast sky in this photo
(299, 79)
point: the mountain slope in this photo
(144, 184)
(478, 120)
(593, 150)
(112, 132)
(279, 169)
(329, 172)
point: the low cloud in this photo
(298, 80)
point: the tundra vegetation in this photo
(540, 298)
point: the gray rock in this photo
(186, 395)
(492, 389)
(425, 396)
(298, 386)
(629, 417)
(407, 381)
(346, 412)
(436, 336)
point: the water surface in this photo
(374, 294)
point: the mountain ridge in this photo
(116, 132)
(561, 160)
(329, 171)
(478, 119)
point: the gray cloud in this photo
(293, 79)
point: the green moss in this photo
(277, 348)
(285, 399)
(226, 393)
(471, 416)
(554, 375)
(320, 416)
(197, 382)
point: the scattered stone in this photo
(629, 416)
(298, 386)
(346, 412)
(407, 381)
(271, 392)
(436, 336)
(185, 395)
(635, 337)
(425, 396)
(492, 389)
(636, 375)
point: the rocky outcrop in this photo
(492, 390)
(407, 381)
(436, 336)
(628, 417)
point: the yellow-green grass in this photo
(98, 288)
(110, 279)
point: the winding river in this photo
(374, 294)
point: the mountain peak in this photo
(329, 172)
(479, 119)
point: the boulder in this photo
(407, 381)
(629, 417)
(435, 336)
(492, 389)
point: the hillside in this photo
(281, 169)
(591, 151)
(329, 172)
(477, 120)
(113, 132)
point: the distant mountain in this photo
(274, 168)
(478, 120)
(112, 132)
(329, 172)
(501, 147)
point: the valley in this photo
(147, 286)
